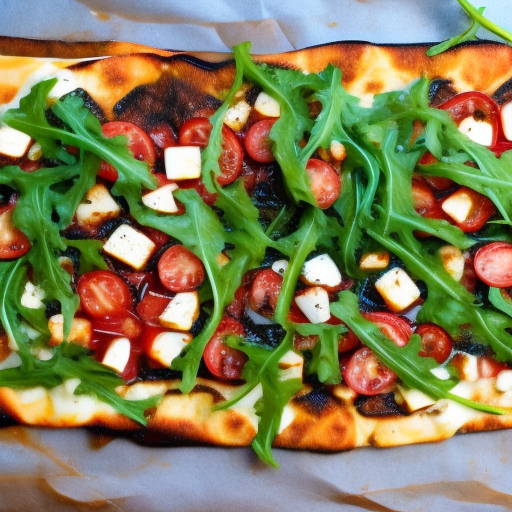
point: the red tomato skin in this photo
(488, 367)
(482, 210)
(222, 361)
(196, 132)
(180, 270)
(257, 143)
(436, 342)
(467, 104)
(437, 182)
(493, 264)
(366, 375)
(13, 242)
(103, 293)
(392, 326)
(127, 325)
(139, 143)
(151, 307)
(422, 196)
(265, 291)
(325, 182)
(348, 341)
(163, 137)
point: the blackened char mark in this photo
(503, 93)
(440, 90)
(168, 100)
(378, 405)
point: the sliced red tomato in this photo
(180, 270)
(196, 132)
(163, 136)
(223, 361)
(474, 104)
(392, 326)
(139, 143)
(126, 325)
(481, 210)
(13, 242)
(325, 182)
(501, 146)
(489, 367)
(103, 293)
(257, 143)
(436, 342)
(365, 374)
(493, 264)
(423, 198)
(348, 341)
(265, 291)
(437, 182)
(151, 307)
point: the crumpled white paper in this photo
(61, 470)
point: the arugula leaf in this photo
(468, 35)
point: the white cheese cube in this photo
(181, 312)
(182, 162)
(374, 261)
(237, 115)
(13, 143)
(267, 106)
(321, 271)
(98, 207)
(162, 199)
(32, 297)
(458, 205)
(130, 246)
(415, 400)
(506, 119)
(80, 331)
(453, 261)
(397, 289)
(280, 266)
(504, 381)
(291, 366)
(478, 131)
(314, 303)
(117, 354)
(168, 345)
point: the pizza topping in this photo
(397, 289)
(13, 242)
(436, 342)
(117, 354)
(162, 199)
(13, 143)
(181, 312)
(97, 207)
(493, 264)
(183, 162)
(180, 270)
(267, 106)
(325, 182)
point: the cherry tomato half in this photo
(257, 143)
(196, 132)
(265, 291)
(325, 182)
(436, 342)
(423, 198)
(139, 143)
(13, 242)
(180, 270)
(392, 326)
(493, 264)
(474, 104)
(223, 361)
(365, 374)
(437, 182)
(482, 209)
(103, 293)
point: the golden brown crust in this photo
(328, 420)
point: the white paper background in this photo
(61, 471)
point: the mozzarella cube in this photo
(374, 260)
(32, 297)
(504, 381)
(181, 312)
(162, 199)
(80, 331)
(453, 261)
(280, 266)
(117, 354)
(130, 246)
(237, 115)
(167, 346)
(397, 289)
(98, 207)
(13, 143)
(478, 131)
(182, 162)
(267, 106)
(506, 119)
(321, 271)
(291, 366)
(458, 205)
(314, 303)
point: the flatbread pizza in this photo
(309, 250)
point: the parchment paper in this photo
(67, 470)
